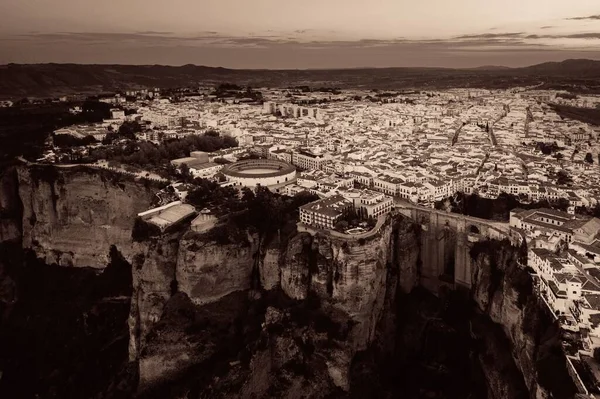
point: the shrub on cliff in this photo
(597, 355)
(552, 373)
(521, 282)
(497, 208)
(46, 173)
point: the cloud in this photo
(151, 32)
(491, 35)
(571, 36)
(591, 17)
(285, 41)
(547, 27)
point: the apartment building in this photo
(363, 178)
(409, 191)
(369, 203)
(307, 160)
(324, 213)
(548, 222)
(509, 186)
(439, 189)
(570, 288)
(388, 185)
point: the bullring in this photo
(266, 172)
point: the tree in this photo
(597, 354)
(66, 140)
(171, 170)
(589, 158)
(563, 178)
(221, 161)
(113, 164)
(185, 172)
(341, 225)
(110, 138)
(129, 128)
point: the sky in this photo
(299, 34)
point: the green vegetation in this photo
(24, 128)
(595, 211)
(351, 218)
(129, 128)
(230, 90)
(547, 148)
(151, 156)
(66, 140)
(567, 96)
(495, 209)
(589, 158)
(563, 178)
(262, 212)
(308, 89)
(586, 115)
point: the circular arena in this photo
(266, 172)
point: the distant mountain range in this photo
(44, 80)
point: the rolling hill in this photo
(44, 80)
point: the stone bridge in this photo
(446, 241)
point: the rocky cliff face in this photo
(348, 280)
(10, 206)
(62, 328)
(71, 217)
(503, 293)
(206, 271)
(302, 315)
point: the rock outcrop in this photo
(346, 278)
(273, 317)
(10, 206)
(514, 319)
(71, 216)
(207, 271)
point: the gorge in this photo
(90, 312)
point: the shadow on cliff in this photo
(244, 345)
(67, 335)
(424, 351)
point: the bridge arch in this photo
(474, 229)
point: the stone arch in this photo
(473, 229)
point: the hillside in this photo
(17, 81)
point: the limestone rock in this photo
(72, 217)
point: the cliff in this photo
(286, 316)
(512, 316)
(10, 206)
(321, 292)
(71, 216)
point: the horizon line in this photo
(296, 69)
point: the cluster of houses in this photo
(564, 259)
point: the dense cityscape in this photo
(511, 157)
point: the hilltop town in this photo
(359, 154)
(419, 146)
